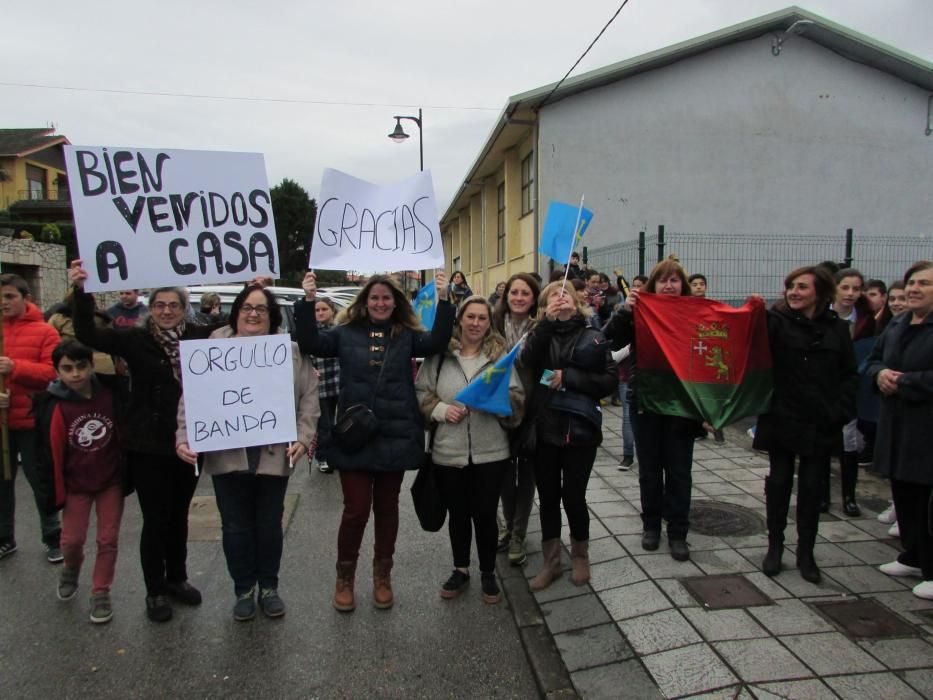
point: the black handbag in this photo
(430, 506)
(356, 425)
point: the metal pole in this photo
(848, 257)
(641, 252)
(660, 242)
(421, 139)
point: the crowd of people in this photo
(95, 409)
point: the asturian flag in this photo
(489, 390)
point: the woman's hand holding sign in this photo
(440, 282)
(77, 274)
(309, 284)
(186, 454)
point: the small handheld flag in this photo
(426, 305)
(562, 233)
(489, 390)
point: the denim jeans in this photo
(23, 442)
(628, 435)
(251, 507)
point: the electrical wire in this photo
(242, 98)
(582, 56)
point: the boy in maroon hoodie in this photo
(79, 454)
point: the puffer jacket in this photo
(363, 349)
(570, 416)
(479, 438)
(272, 460)
(815, 379)
(29, 341)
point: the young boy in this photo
(80, 456)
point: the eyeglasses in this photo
(171, 306)
(260, 310)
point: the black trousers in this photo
(165, 486)
(562, 474)
(472, 495)
(778, 487)
(664, 445)
(912, 504)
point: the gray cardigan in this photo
(480, 437)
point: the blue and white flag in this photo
(489, 390)
(558, 239)
(426, 305)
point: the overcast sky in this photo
(459, 60)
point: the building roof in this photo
(17, 143)
(520, 112)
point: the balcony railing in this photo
(61, 194)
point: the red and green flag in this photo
(702, 359)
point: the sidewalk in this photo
(638, 631)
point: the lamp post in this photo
(398, 135)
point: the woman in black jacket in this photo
(574, 369)
(815, 379)
(163, 483)
(375, 340)
(901, 366)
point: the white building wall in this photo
(737, 140)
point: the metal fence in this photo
(737, 265)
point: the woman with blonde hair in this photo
(574, 370)
(470, 447)
(379, 431)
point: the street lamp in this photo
(398, 134)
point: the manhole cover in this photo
(725, 519)
(866, 618)
(725, 591)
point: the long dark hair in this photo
(403, 315)
(275, 313)
(502, 305)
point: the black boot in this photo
(778, 486)
(771, 566)
(809, 571)
(848, 464)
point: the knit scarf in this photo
(514, 331)
(168, 341)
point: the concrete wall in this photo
(740, 141)
(42, 265)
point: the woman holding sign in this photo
(250, 482)
(164, 483)
(379, 432)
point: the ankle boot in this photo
(807, 564)
(346, 574)
(550, 569)
(848, 468)
(382, 583)
(771, 566)
(580, 553)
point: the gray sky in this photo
(444, 56)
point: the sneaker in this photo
(7, 548)
(184, 593)
(894, 530)
(270, 602)
(54, 554)
(505, 539)
(323, 468)
(455, 584)
(700, 438)
(491, 592)
(626, 464)
(158, 608)
(888, 515)
(245, 607)
(650, 540)
(101, 609)
(924, 590)
(67, 583)
(865, 458)
(895, 568)
(517, 556)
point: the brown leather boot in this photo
(382, 583)
(580, 553)
(343, 598)
(550, 569)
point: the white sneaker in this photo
(894, 531)
(895, 568)
(924, 590)
(887, 516)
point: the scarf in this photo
(168, 341)
(514, 331)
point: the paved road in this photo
(423, 648)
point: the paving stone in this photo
(560, 589)
(732, 692)
(811, 689)
(597, 529)
(717, 488)
(864, 579)
(604, 549)
(631, 543)
(723, 625)
(840, 531)
(634, 600)
(607, 681)
(687, 670)
(722, 561)
(790, 617)
(699, 542)
(756, 503)
(761, 660)
(610, 509)
(659, 631)
(593, 646)
(873, 685)
(767, 586)
(921, 681)
(676, 591)
(601, 495)
(707, 477)
(874, 552)
(631, 493)
(623, 525)
(574, 613)
(791, 580)
(661, 565)
(830, 554)
(872, 527)
(737, 474)
(617, 572)
(908, 652)
(715, 463)
(831, 653)
(903, 602)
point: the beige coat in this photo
(273, 461)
